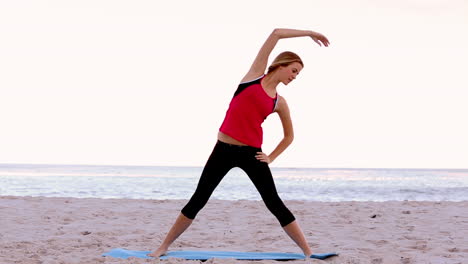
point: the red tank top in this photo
(249, 107)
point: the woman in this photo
(240, 138)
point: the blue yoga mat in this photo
(205, 255)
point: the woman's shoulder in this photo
(281, 104)
(281, 99)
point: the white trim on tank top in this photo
(253, 79)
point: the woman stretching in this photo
(240, 138)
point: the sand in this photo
(70, 230)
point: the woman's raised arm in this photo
(260, 63)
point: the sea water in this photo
(157, 182)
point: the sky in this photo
(109, 82)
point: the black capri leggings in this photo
(225, 157)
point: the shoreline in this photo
(79, 230)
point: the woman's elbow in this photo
(289, 139)
(276, 32)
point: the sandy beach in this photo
(70, 230)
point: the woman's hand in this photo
(263, 157)
(319, 39)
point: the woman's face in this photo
(289, 73)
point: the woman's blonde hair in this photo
(284, 59)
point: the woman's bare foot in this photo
(159, 252)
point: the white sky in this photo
(149, 82)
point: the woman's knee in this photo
(279, 210)
(196, 203)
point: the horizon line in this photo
(201, 166)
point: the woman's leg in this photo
(261, 176)
(295, 233)
(181, 224)
(217, 166)
(219, 163)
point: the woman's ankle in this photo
(307, 253)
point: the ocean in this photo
(158, 182)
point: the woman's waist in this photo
(232, 142)
(229, 140)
